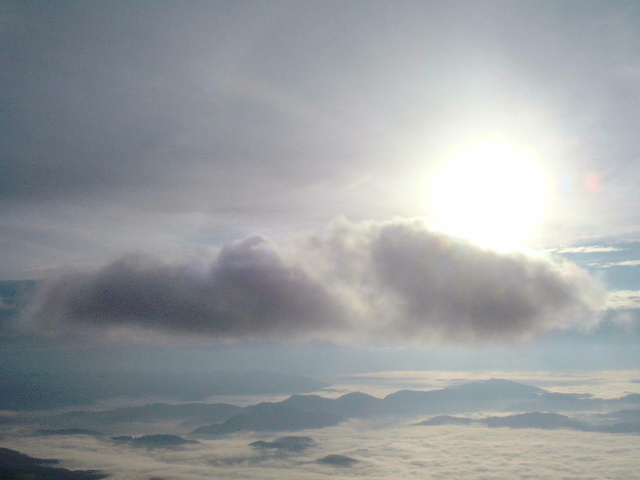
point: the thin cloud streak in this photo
(590, 249)
(626, 263)
(623, 300)
(398, 280)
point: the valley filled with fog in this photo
(492, 428)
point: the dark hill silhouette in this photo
(289, 443)
(18, 466)
(351, 405)
(495, 388)
(13, 458)
(491, 394)
(312, 411)
(337, 460)
(446, 420)
(546, 421)
(627, 415)
(155, 441)
(274, 417)
(308, 403)
(357, 404)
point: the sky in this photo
(318, 188)
(239, 201)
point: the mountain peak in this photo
(497, 386)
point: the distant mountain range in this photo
(523, 406)
(546, 421)
(300, 412)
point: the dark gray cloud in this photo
(398, 280)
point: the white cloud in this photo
(590, 249)
(623, 300)
(469, 452)
(626, 263)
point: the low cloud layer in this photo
(468, 452)
(398, 280)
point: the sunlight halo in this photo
(492, 192)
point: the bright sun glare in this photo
(491, 192)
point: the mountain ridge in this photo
(299, 412)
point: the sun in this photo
(491, 192)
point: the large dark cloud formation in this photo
(398, 280)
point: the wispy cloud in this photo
(626, 263)
(623, 299)
(397, 280)
(590, 249)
